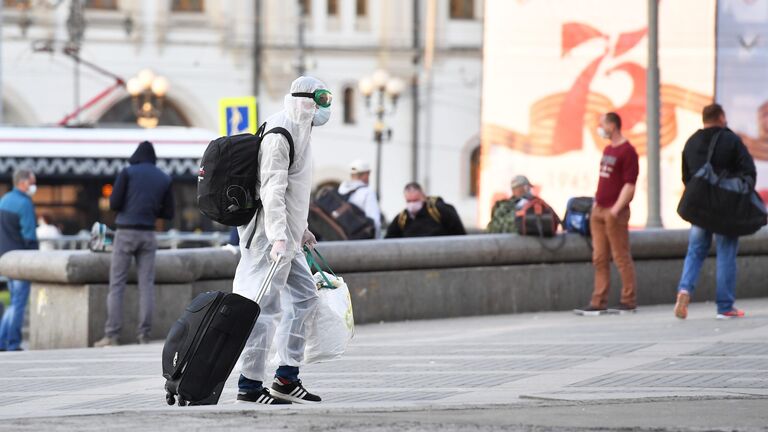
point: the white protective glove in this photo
(278, 250)
(308, 239)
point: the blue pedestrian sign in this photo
(237, 115)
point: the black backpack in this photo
(229, 171)
(351, 219)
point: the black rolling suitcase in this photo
(204, 344)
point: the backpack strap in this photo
(712, 145)
(349, 194)
(261, 134)
(432, 209)
(402, 219)
(284, 132)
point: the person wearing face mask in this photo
(277, 233)
(17, 231)
(425, 216)
(609, 223)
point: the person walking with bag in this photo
(719, 146)
(277, 234)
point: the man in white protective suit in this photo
(278, 232)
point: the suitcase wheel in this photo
(170, 399)
(182, 402)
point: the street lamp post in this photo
(76, 30)
(147, 94)
(381, 93)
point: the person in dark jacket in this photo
(425, 216)
(17, 231)
(732, 156)
(141, 194)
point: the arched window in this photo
(333, 7)
(101, 4)
(122, 113)
(349, 105)
(463, 9)
(474, 172)
(361, 8)
(187, 5)
(17, 4)
(306, 7)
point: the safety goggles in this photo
(321, 97)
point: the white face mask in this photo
(414, 207)
(322, 115)
(603, 133)
(31, 190)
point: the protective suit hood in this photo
(300, 109)
(285, 190)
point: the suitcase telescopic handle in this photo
(268, 280)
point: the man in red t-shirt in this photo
(609, 222)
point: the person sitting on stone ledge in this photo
(504, 211)
(425, 216)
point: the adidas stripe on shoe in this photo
(292, 391)
(261, 397)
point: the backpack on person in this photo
(349, 217)
(324, 227)
(577, 214)
(432, 210)
(537, 218)
(229, 172)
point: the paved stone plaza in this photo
(546, 371)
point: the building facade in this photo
(210, 50)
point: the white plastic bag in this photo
(333, 326)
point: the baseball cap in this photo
(359, 166)
(520, 180)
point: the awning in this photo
(179, 168)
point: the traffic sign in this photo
(237, 115)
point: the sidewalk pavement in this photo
(545, 371)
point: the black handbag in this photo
(724, 204)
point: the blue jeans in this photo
(698, 247)
(13, 318)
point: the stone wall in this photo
(389, 280)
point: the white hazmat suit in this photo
(285, 194)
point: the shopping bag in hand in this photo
(333, 325)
